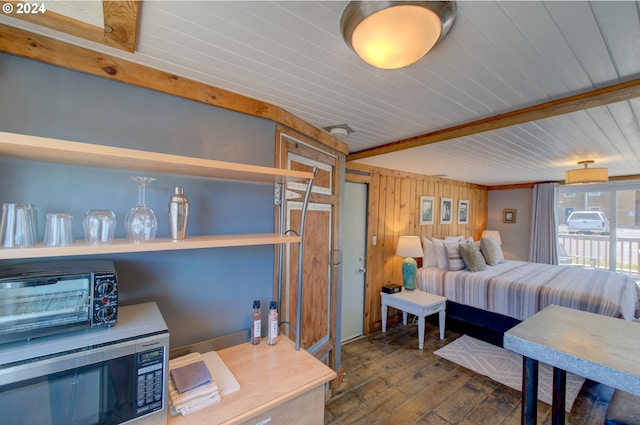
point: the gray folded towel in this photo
(190, 376)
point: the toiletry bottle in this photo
(178, 214)
(256, 323)
(272, 336)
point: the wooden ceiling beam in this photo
(120, 27)
(599, 97)
(530, 185)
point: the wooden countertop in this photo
(268, 377)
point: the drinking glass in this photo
(140, 222)
(18, 225)
(99, 226)
(58, 230)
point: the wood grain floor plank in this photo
(388, 381)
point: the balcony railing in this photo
(593, 251)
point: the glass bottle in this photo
(256, 323)
(272, 335)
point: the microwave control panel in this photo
(149, 381)
(105, 299)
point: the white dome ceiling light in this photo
(394, 34)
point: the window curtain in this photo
(544, 228)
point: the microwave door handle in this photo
(64, 362)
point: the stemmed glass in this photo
(140, 222)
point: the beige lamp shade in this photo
(586, 175)
(409, 246)
(495, 234)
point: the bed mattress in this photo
(519, 289)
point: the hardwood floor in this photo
(389, 381)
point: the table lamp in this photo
(495, 234)
(409, 247)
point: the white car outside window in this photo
(588, 222)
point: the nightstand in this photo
(419, 303)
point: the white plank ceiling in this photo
(500, 56)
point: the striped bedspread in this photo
(519, 289)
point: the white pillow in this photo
(456, 239)
(455, 259)
(491, 251)
(442, 258)
(428, 253)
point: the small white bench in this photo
(418, 303)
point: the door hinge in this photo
(277, 194)
(336, 257)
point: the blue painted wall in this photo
(202, 293)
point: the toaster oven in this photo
(45, 298)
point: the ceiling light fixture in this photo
(339, 131)
(394, 34)
(586, 175)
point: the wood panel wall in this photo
(394, 211)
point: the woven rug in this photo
(505, 367)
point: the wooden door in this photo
(320, 258)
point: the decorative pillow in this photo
(491, 250)
(442, 258)
(454, 239)
(455, 260)
(428, 253)
(472, 257)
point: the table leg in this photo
(559, 390)
(404, 317)
(384, 317)
(529, 391)
(420, 332)
(441, 318)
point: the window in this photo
(601, 229)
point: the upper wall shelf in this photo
(119, 246)
(62, 151)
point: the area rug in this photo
(505, 367)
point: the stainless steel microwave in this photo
(103, 376)
(44, 298)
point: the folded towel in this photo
(190, 376)
(196, 398)
(193, 400)
(184, 360)
(195, 404)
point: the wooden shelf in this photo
(159, 244)
(62, 151)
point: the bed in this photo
(504, 294)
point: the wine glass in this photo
(140, 222)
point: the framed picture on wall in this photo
(463, 211)
(508, 216)
(446, 210)
(426, 209)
